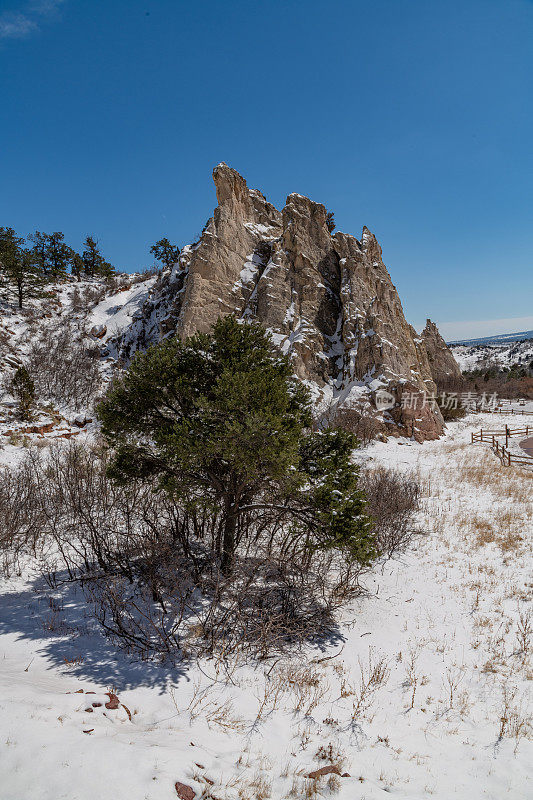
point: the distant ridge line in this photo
(503, 338)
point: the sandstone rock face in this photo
(328, 300)
(442, 364)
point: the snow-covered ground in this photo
(93, 312)
(80, 303)
(117, 312)
(471, 357)
(443, 631)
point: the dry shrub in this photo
(147, 562)
(515, 721)
(21, 528)
(372, 676)
(393, 499)
(64, 367)
(215, 710)
(484, 530)
(360, 420)
(524, 631)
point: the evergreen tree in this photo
(107, 270)
(59, 255)
(221, 423)
(18, 273)
(76, 265)
(92, 258)
(23, 390)
(165, 252)
(40, 251)
(50, 255)
(330, 221)
(94, 264)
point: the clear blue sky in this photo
(413, 117)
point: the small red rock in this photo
(346, 775)
(113, 701)
(96, 705)
(89, 731)
(184, 792)
(330, 769)
(90, 709)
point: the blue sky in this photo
(413, 117)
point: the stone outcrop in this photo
(442, 364)
(327, 299)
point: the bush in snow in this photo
(23, 390)
(223, 426)
(64, 368)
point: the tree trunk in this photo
(20, 292)
(228, 539)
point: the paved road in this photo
(527, 446)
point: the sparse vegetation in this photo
(64, 366)
(23, 389)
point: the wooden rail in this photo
(502, 451)
(515, 411)
(504, 401)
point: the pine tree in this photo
(91, 256)
(58, 255)
(94, 264)
(40, 251)
(107, 270)
(76, 265)
(165, 252)
(18, 272)
(221, 423)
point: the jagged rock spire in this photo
(328, 299)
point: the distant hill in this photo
(503, 352)
(503, 338)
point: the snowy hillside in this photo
(421, 690)
(423, 694)
(514, 353)
(87, 312)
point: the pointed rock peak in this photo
(442, 363)
(367, 236)
(431, 329)
(301, 201)
(229, 184)
(370, 244)
(307, 212)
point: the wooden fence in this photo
(515, 411)
(502, 450)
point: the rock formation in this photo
(328, 300)
(442, 364)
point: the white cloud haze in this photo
(475, 329)
(19, 24)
